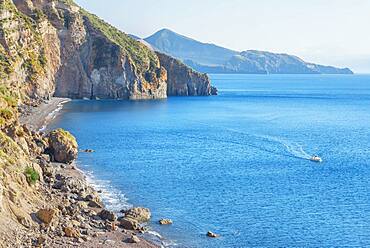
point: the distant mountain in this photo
(185, 48)
(210, 58)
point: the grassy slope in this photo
(143, 58)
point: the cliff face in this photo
(183, 81)
(96, 60)
(57, 48)
(52, 47)
(29, 53)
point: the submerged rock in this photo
(87, 150)
(62, 146)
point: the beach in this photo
(78, 215)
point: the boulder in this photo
(107, 215)
(212, 235)
(133, 239)
(139, 214)
(71, 232)
(46, 215)
(130, 224)
(95, 204)
(166, 222)
(111, 226)
(63, 146)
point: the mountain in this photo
(184, 48)
(210, 58)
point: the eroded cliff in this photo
(56, 48)
(184, 81)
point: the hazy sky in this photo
(334, 32)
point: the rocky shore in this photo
(63, 210)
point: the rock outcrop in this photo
(63, 146)
(54, 47)
(139, 214)
(183, 81)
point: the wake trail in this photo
(292, 149)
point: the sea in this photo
(237, 164)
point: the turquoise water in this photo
(237, 164)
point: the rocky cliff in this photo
(183, 81)
(53, 47)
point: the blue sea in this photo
(238, 164)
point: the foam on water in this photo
(51, 116)
(114, 199)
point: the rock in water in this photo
(212, 235)
(62, 146)
(166, 222)
(139, 214)
(184, 81)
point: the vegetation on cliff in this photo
(20, 43)
(143, 58)
(8, 105)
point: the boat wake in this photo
(271, 144)
(293, 148)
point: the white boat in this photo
(316, 159)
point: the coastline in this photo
(37, 118)
(95, 231)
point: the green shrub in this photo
(6, 114)
(31, 175)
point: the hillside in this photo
(184, 48)
(54, 48)
(209, 58)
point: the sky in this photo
(331, 32)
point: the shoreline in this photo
(101, 233)
(38, 118)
